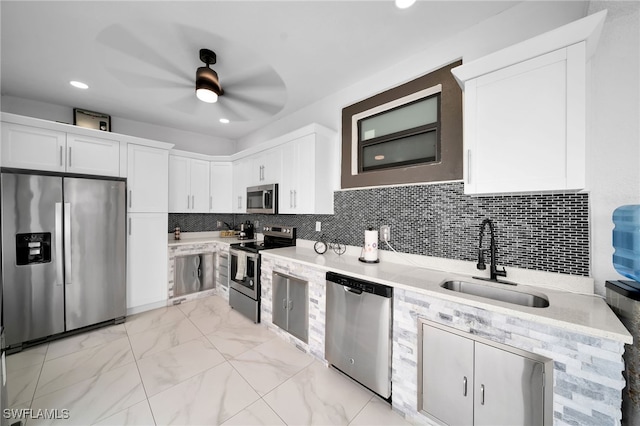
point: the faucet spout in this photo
(494, 272)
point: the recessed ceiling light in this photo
(224, 120)
(403, 4)
(79, 84)
(379, 157)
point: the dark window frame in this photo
(362, 144)
(450, 166)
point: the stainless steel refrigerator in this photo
(63, 254)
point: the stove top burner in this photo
(274, 237)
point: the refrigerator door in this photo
(95, 251)
(33, 292)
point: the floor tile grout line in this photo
(75, 383)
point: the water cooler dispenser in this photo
(623, 296)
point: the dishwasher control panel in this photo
(361, 285)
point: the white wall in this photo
(516, 24)
(613, 132)
(183, 140)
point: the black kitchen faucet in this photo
(493, 269)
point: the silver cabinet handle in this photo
(187, 202)
(61, 158)
(481, 394)
(130, 197)
(129, 226)
(193, 202)
(295, 198)
(468, 166)
(464, 386)
(291, 198)
(69, 157)
(290, 305)
(210, 202)
(284, 304)
(59, 246)
(67, 243)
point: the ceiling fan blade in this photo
(119, 38)
(188, 105)
(140, 81)
(263, 76)
(256, 106)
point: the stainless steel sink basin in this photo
(502, 294)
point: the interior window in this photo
(404, 135)
(411, 133)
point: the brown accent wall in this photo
(450, 165)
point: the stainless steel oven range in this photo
(244, 268)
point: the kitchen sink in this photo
(495, 293)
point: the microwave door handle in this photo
(265, 199)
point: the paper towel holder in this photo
(374, 248)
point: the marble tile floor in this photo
(197, 363)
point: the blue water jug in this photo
(626, 241)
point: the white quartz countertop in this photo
(581, 313)
(187, 238)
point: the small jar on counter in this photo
(176, 233)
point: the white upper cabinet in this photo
(240, 178)
(309, 175)
(266, 167)
(34, 148)
(220, 187)
(148, 179)
(524, 113)
(92, 155)
(188, 185)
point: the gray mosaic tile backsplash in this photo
(546, 232)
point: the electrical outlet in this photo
(319, 226)
(385, 232)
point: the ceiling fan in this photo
(208, 86)
(253, 90)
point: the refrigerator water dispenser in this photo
(33, 248)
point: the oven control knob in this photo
(266, 228)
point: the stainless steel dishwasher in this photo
(358, 330)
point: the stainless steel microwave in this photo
(262, 199)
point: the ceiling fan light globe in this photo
(403, 4)
(206, 95)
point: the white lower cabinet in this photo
(146, 261)
(468, 382)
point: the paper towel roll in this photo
(370, 246)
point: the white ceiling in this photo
(274, 57)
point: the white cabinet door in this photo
(220, 188)
(309, 175)
(179, 196)
(25, 147)
(147, 282)
(524, 125)
(90, 155)
(305, 188)
(188, 185)
(199, 186)
(147, 179)
(241, 170)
